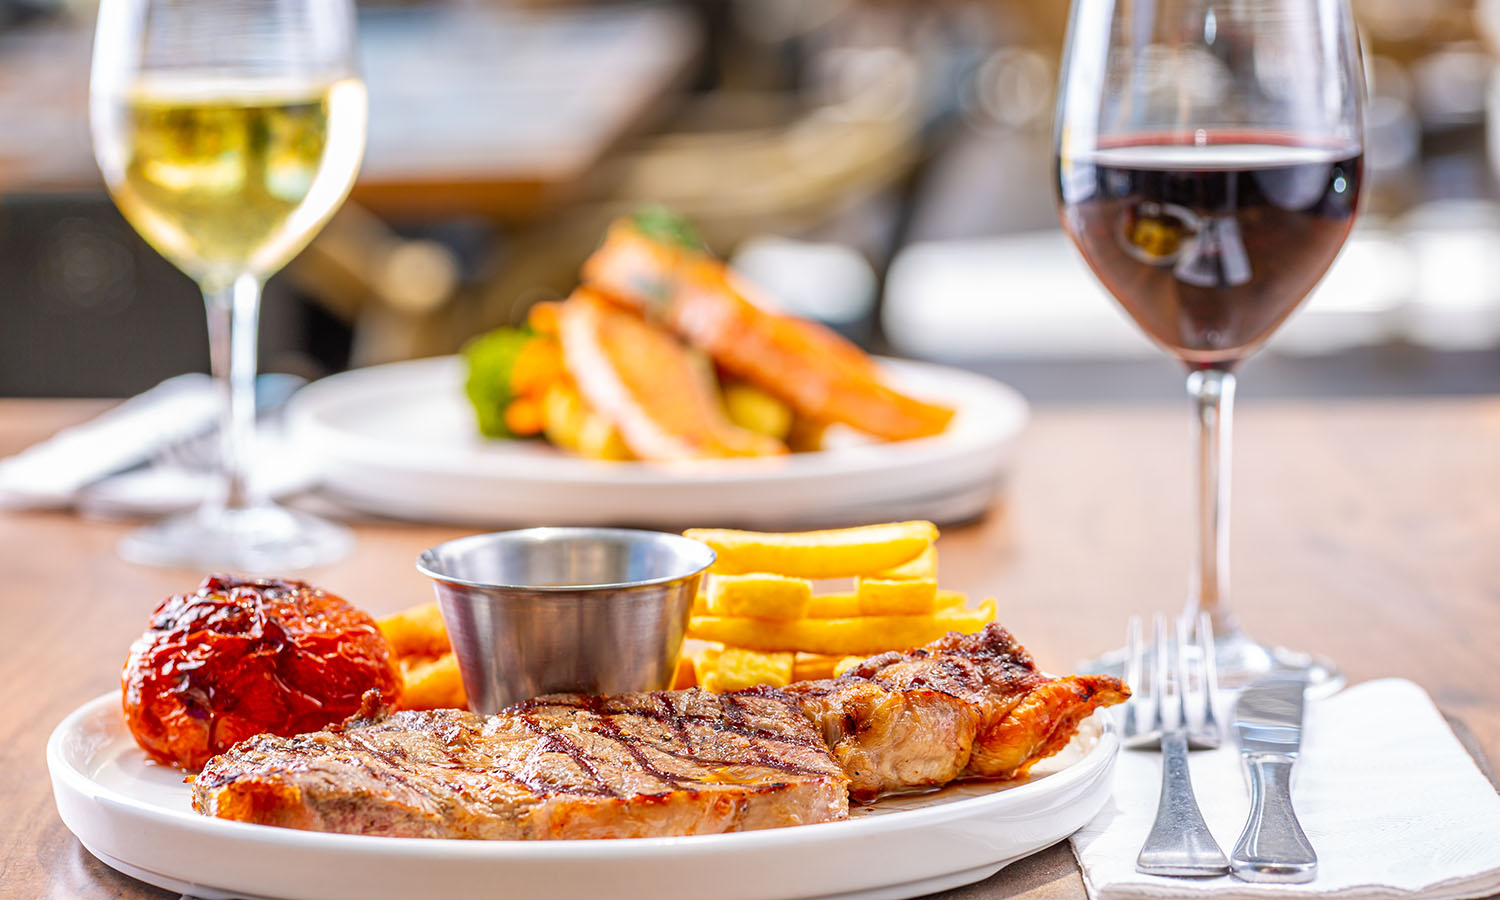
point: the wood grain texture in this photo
(1366, 531)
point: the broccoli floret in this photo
(490, 359)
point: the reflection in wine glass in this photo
(228, 134)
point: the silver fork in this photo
(1179, 842)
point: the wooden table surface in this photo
(1367, 531)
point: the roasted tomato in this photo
(240, 657)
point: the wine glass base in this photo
(1242, 661)
(263, 539)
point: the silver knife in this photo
(1268, 723)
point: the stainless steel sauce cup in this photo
(545, 610)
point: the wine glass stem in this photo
(233, 320)
(1212, 391)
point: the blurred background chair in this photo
(883, 166)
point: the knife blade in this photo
(1268, 724)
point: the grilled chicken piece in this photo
(562, 766)
(649, 385)
(963, 706)
(819, 374)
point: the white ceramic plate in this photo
(135, 816)
(400, 440)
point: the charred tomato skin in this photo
(241, 657)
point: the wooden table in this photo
(1366, 531)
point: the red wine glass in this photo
(1209, 165)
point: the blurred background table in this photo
(498, 113)
(884, 167)
(1365, 530)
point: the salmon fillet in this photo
(814, 370)
(648, 384)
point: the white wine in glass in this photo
(229, 132)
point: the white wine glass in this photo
(228, 132)
(1210, 155)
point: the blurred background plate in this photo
(400, 440)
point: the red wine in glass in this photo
(1209, 240)
(1209, 165)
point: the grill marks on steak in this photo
(966, 705)
(667, 762)
(562, 766)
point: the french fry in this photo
(924, 566)
(758, 595)
(895, 597)
(837, 553)
(686, 675)
(703, 656)
(814, 666)
(833, 606)
(739, 668)
(432, 683)
(417, 631)
(844, 606)
(863, 634)
(845, 664)
(750, 407)
(598, 438)
(563, 414)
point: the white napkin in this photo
(1393, 804)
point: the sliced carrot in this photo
(542, 317)
(524, 416)
(538, 366)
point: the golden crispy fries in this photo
(813, 666)
(863, 634)
(833, 606)
(895, 597)
(598, 438)
(686, 675)
(758, 595)
(432, 683)
(752, 408)
(845, 664)
(417, 631)
(951, 600)
(738, 669)
(924, 566)
(838, 553)
(702, 656)
(845, 606)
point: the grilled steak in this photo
(668, 762)
(561, 766)
(966, 705)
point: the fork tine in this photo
(1130, 726)
(1158, 692)
(1210, 672)
(1180, 665)
(1133, 651)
